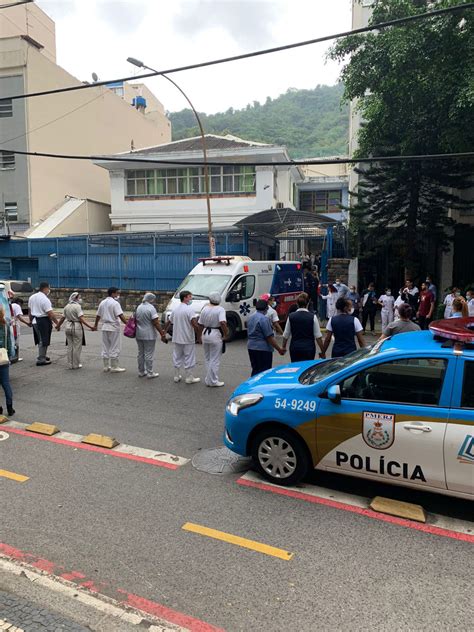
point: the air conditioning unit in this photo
(280, 205)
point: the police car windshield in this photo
(326, 369)
(201, 285)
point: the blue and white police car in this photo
(401, 411)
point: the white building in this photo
(161, 196)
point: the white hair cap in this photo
(215, 298)
(149, 298)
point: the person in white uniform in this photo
(213, 327)
(272, 314)
(75, 323)
(148, 327)
(448, 302)
(110, 313)
(388, 305)
(185, 330)
(331, 298)
(42, 318)
(17, 313)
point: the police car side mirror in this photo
(334, 394)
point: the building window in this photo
(6, 108)
(190, 181)
(11, 211)
(321, 201)
(7, 160)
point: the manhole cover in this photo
(220, 461)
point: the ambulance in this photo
(240, 281)
(400, 412)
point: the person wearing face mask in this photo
(213, 327)
(185, 331)
(303, 328)
(272, 313)
(42, 318)
(75, 323)
(448, 301)
(354, 296)
(470, 301)
(110, 313)
(426, 306)
(459, 308)
(387, 303)
(341, 288)
(345, 329)
(261, 339)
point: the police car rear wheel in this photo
(280, 456)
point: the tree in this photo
(415, 90)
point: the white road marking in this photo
(156, 455)
(444, 522)
(3, 435)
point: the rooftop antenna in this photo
(95, 78)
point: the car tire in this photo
(290, 462)
(232, 327)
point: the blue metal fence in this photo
(131, 261)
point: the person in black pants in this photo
(369, 307)
(303, 328)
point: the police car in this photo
(401, 411)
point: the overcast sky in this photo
(99, 35)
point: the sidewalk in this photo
(32, 601)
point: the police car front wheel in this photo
(280, 456)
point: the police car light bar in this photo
(458, 329)
(225, 260)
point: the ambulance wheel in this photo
(232, 326)
(280, 456)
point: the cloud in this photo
(248, 22)
(124, 15)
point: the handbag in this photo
(4, 359)
(130, 330)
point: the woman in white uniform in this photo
(331, 298)
(387, 302)
(75, 323)
(213, 325)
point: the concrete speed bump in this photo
(398, 508)
(44, 429)
(3, 419)
(101, 441)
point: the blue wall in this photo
(131, 261)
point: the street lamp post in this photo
(212, 246)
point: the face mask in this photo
(273, 304)
(117, 298)
(458, 293)
(48, 292)
(351, 311)
(190, 302)
(388, 293)
(79, 300)
(468, 297)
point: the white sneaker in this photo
(192, 380)
(20, 360)
(217, 384)
(79, 366)
(117, 369)
(150, 376)
(141, 374)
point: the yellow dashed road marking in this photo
(14, 477)
(237, 540)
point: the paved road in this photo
(117, 524)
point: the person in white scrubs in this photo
(331, 299)
(17, 313)
(272, 314)
(448, 301)
(213, 327)
(388, 304)
(470, 302)
(110, 313)
(185, 331)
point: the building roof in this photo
(195, 144)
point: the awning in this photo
(281, 223)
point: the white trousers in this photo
(387, 317)
(184, 356)
(212, 345)
(146, 351)
(111, 344)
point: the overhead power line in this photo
(134, 157)
(15, 4)
(258, 53)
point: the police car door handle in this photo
(415, 426)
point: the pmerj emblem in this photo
(378, 430)
(244, 309)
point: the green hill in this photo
(309, 122)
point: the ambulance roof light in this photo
(222, 259)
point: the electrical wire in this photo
(287, 163)
(15, 4)
(277, 49)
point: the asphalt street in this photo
(117, 524)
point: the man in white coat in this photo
(110, 313)
(185, 331)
